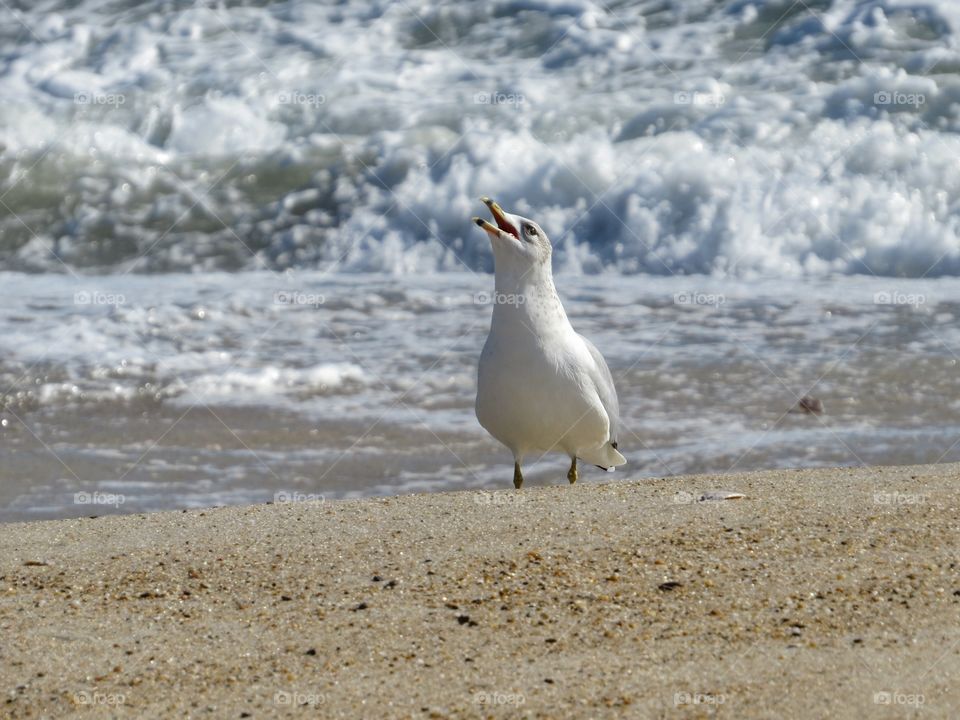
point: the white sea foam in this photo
(744, 138)
(246, 387)
(201, 386)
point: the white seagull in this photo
(541, 386)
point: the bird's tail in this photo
(605, 456)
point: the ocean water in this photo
(236, 261)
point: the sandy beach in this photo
(820, 593)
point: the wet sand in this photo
(820, 593)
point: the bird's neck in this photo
(528, 296)
(521, 279)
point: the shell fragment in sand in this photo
(718, 495)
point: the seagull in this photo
(541, 386)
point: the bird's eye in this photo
(530, 230)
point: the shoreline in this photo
(822, 592)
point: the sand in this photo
(820, 593)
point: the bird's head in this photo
(515, 239)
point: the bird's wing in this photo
(603, 381)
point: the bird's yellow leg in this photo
(517, 476)
(572, 473)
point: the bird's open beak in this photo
(489, 227)
(499, 217)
